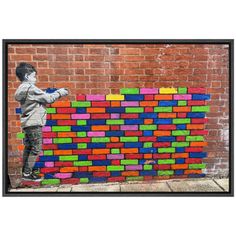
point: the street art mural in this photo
(139, 134)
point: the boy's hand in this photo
(63, 92)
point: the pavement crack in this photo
(219, 185)
(169, 187)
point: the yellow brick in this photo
(168, 90)
(115, 97)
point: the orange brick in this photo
(180, 155)
(129, 150)
(162, 133)
(97, 168)
(149, 104)
(21, 147)
(62, 152)
(60, 117)
(198, 144)
(147, 156)
(66, 134)
(100, 127)
(191, 126)
(179, 166)
(101, 151)
(130, 173)
(163, 97)
(96, 110)
(181, 109)
(68, 169)
(186, 172)
(61, 104)
(115, 104)
(114, 139)
(148, 121)
(167, 115)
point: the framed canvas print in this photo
(117, 117)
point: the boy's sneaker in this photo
(31, 177)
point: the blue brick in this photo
(96, 122)
(133, 145)
(179, 127)
(197, 154)
(196, 175)
(48, 176)
(148, 115)
(96, 145)
(201, 96)
(147, 133)
(82, 174)
(115, 109)
(148, 173)
(134, 122)
(148, 150)
(18, 111)
(195, 115)
(39, 165)
(50, 90)
(179, 172)
(102, 163)
(179, 149)
(114, 133)
(115, 173)
(162, 121)
(179, 161)
(81, 110)
(80, 128)
(167, 103)
(48, 158)
(97, 179)
(82, 157)
(134, 97)
(51, 122)
(141, 162)
(68, 146)
(166, 139)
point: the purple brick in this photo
(95, 97)
(49, 164)
(115, 116)
(80, 116)
(183, 97)
(148, 91)
(115, 156)
(96, 134)
(130, 104)
(134, 167)
(47, 140)
(129, 127)
(47, 129)
(63, 175)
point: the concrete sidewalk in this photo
(175, 185)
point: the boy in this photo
(33, 106)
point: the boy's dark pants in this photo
(33, 147)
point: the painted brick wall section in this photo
(105, 68)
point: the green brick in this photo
(81, 104)
(182, 90)
(81, 134)
(82, 145)
(180, 144)
(194, 138)
(162, 109)
(129, 162)
(197, 166)
(180, 132)
(166, 150)
(147, 167)
(61, 128)
(51, 110)
(83, 163)
(148, 127)
(115, 151)
(182, 103)
(50, 181)
(20, 135)
(147, 145)
(165, 172)
(134, 109)
(115, 122)
(129, 91)
(200, 109)
(101, 140)
(182, 121)
(166, 161)
(134, 178)
(115, 168)
(48, 152)
(81, 122)
(128, 139)
(62, 140)
(83, 180)
(68, 158)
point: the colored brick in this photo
(162, 109)
(129, 91)
(165, 172)
(48, 152)
(200, 97)
(115, 168)
(181, 121)
(179, 166)
(114, 97)
(82, 145)
(81, 122)
(81, 104)
(197, 90)
(162, 133)
(20, 135)
(134, 110)
(115, 151)
(182, 109)
(134, 97)
(115, 156)
(166, 127)
(200, 109)
(81, 134)
(83, 163)
(180, 144)
(168, 90)
(183, 97)
(167, 115)
(147, 145)
(84, 180)
(61, 104)
(129, 162)
(50, 181)
(194, 138)
(166, 150)
(96, 110)
(147, 167)
(115, 122)
(167, 103)
(62, 140)
(61, 128)
(148, 127)
(51, 110)
(166, 161)
(163, 97)
(101, 151)
(129, 127)
(96, 134)
(95, 97)
(80, 116)
(198, 144)
(182, 90)
(182, 103)
(68, 158)
(134, 178)
(100, 128)
(180, 132)
(129, 139)
(101, 140)
(148, 91)
(197, 166)
(129, 150)
(195, 126)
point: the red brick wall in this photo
(105, 68)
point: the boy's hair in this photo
(24, 69)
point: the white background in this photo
(107, 19)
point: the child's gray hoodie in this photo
(33, 104)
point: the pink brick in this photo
(95, 97)
(183, 97)
(134, 167)
(129, 127)
(63, 175)
(49, 164)
(80, 116)
(148, 91)
(129, 104)
(96, 134)
(46, 129)
(115, 116)
(47, 140)
(115, 156)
